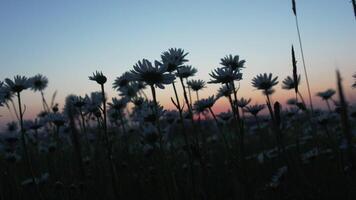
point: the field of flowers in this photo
(130, 147)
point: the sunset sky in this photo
(68, 40)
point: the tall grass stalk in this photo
(302, 53)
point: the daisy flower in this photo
(327, 94)
(118, 104)
(264, 81)
(186, 71)
(224, 75)
(196, 85)
(203, 104)
(224, 91)
(38, 82)
(98, 77)
(233, 62)
(288, 83)
(121, 81)
(173, 58)
(18, 84)
(243, 102)
(254, 109)
(152, 75)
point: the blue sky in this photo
(68, 40)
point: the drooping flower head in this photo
(243, 102)
(224, 75)
(288, 83)
(186, 71)
(121, 81)
(327, 94)
(98, 77)
(254, 109)
(196, 85)
(173, 58)
(18, 84)
(38, 82)
(233, 62)
(156, 75)
(264, 81)
(203, 104)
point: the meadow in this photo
(130, 147)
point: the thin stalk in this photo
(109, 145)
(305, 69)
(26, 154)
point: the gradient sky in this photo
(67, 40)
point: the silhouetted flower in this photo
(145, 72)
(224, 91)
(264, 81)
(233, 62)
(292, 101)
(224, 75)
(98, 77)
(288, 83)
(196, 85)
(225, 116)
(121, 81)
(173, 58)
(203, 104)
(118, 104)
(130, 91)
(56, 118)
(354, 85)
(18, 84)
(186, 71)
(243, 102)
(254, 109)
(327, 94)
(38, 82)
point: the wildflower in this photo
(225, 75)
(233, 62)
(118, 104)
(33, 124)
(56, 118)
(243, 102)
(98, 77)
(18, 84)
(254, 109)
(224, 91)
(79, 101)
(327, 94)
(186, 71)
(38, 82)
(203, 104)
(225, 116)
(264, 82)
(130, 91)
(288, 83)
(173, 58)
(121, 81)
(151, 75)
(196, 85)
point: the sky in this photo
(68, 40)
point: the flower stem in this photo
(24, 146)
